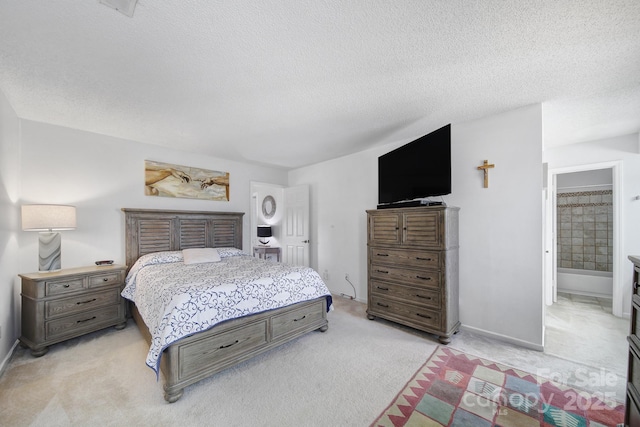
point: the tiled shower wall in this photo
(585, 230)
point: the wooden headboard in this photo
(150, 230)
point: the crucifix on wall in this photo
(485, 168)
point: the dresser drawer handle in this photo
(86, 320)
(302, 318)
(86, 302)
(382, 271)
(382, 289)
(423, 315)
(423, 278)
(635, 286)
(229, 345)
(382, 254)
(66, 285)
(106, 279)
(422, 296)
(383, 305)
(423, 259)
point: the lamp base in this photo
(50, 251)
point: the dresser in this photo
(413, 268)
(632, 416)
(64, 304)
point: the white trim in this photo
(503, 338)
(618, 225)
(5, 362)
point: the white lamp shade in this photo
(48, 217)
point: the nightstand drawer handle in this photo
(383, 305)
(382, 271)
(382, 289)
(229, 345)
(86, 320)
(86, 302)
(423, 278)
(302, 318)
(423, 315)
(422, 296)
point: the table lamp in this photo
(264, 231)
(46, 219)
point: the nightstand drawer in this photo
(80, 303)
(104, 279)
(84, 321)
(58, 287)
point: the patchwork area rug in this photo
(456, 389)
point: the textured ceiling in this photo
(293, 82)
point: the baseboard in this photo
(7, 358)
(503, 338)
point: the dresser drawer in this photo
(105, 279)
(409, 258)
(80, 303)
(405, 275)
(422, 296)
(296, 320)
(71, 325)
(57, 287)
(217, 350)
(408, 314)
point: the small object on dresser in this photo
(105, 262)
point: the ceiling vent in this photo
(123, 6)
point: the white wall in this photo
(9, 223)
(100, 175)
(625, 149)
(500, 227)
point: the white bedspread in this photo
(177, 300)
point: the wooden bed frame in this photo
(205, 353)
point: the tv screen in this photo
(419, 169)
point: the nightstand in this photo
(262, 251)
(64, 304)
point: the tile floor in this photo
(582, 329)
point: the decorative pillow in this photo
(229, 252)
(200, 255)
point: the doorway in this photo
(583, 285)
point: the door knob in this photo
(305, 241)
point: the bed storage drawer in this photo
(296, 320)
(219, 349)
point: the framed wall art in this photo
(169, 180)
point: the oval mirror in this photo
(268, 207)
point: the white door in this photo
(295, 239)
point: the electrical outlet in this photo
(325, 274)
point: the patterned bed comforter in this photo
(177, 300)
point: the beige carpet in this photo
(345, 376)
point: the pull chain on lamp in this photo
(46, 219)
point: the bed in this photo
(165, 235)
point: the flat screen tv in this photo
(417, 170)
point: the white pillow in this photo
(200, 255)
